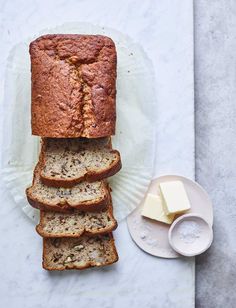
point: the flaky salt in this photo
(189, 231)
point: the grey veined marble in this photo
(165, 30)
(215, 78)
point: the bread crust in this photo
(66, 207)
(89, 207)
(73, 86)
(88, 265)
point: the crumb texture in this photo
(54, 224)
(78, 253)
(76, 158)
(82, 194)
(73, 86)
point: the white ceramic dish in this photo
(190, 235)
(152, 236)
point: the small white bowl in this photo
(190, 235)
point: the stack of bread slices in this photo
(73, 111)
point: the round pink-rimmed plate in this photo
(151, 235)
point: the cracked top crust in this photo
(73, 86)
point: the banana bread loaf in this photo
(73, 86)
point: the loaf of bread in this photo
(83, 196)
(78, 253)
(66, 162)
(76, 223)
(73, 86)
(74, 111)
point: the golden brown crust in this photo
(73, 86)
(44, 263)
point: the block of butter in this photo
(153, 209)
(174, 197)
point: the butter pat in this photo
(175, 199)
(153, 209)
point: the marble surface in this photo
(215, 75)
(165, 30)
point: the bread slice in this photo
(66, 162)
(54, 224)
(84, 196)
(78, 253)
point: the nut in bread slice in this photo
(76, 223)
(84, 196)
(78, 253)
(66, 162)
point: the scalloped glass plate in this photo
(135, 121)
